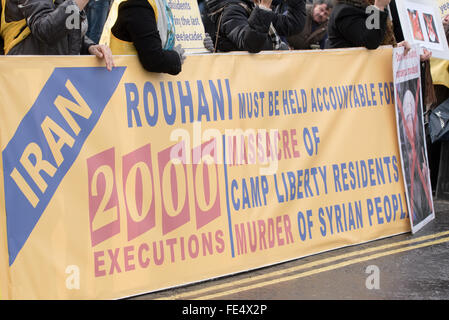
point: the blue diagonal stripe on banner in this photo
(48, 141)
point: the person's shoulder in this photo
(343, 10)
(130, 4)
(136, 11)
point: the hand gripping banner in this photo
(124, 182)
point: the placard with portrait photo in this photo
(411, 136)
(422, 24)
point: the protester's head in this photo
(322, 10)
(408, 105)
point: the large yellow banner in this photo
(125, 182)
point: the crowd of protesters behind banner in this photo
(146, 28)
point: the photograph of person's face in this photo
(430, 28)
(416, 25)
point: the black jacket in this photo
(313, 33)
(136, 23)
(347, 28)
(245, 27)
(50, 25)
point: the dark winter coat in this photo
(313, 33)
(47, 21)
(246, 27)
(136, 23)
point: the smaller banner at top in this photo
(410, 124)
(189, 29)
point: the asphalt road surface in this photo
(402, 267)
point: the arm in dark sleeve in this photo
(354, 29)
(47, 22)
(142, 28)
(247, 33)
(293, 22)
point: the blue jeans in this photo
(97, 13)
